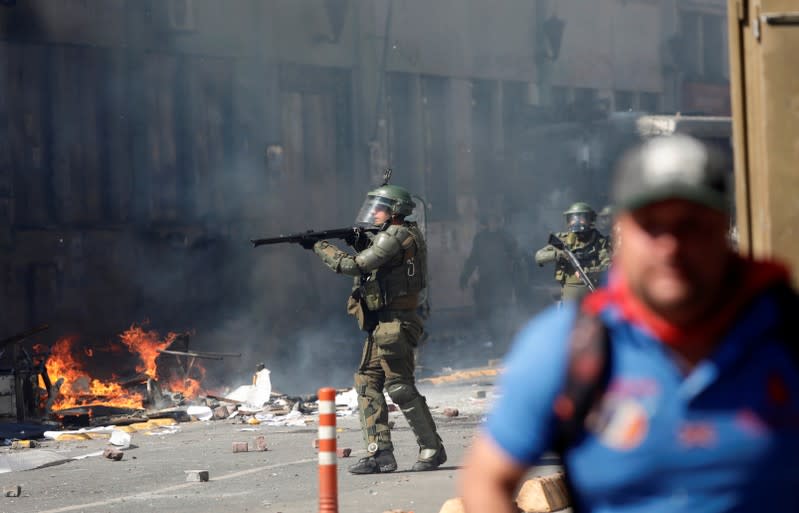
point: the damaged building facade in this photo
(147, 141)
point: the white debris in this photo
(200, 412)
(253, 397)
(348, 399)
(293, 418)
(120, 439)
(53, 435)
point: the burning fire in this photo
(79, 388)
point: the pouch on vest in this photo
(372, 296)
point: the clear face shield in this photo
(374, 212)
(578, 222)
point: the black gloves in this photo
(352, 238)
(307, 243)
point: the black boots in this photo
(379, 462)
(430, 463)
(383, 461)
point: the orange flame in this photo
(146, 344)
(80, 388)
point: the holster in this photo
(367, 321)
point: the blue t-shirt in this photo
(723, 438)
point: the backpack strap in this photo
(587, 377)
(788, 305)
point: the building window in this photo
(560, 96)
(702, 48)
(624, 101)
(649, 102)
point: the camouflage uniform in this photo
(390, 273)
(591, 248)
(592, 251)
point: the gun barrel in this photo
(336, 233)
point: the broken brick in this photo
(260, 443)
(240, 447)
(451, 412)
(196, 476)
(221, 412)
(112, 454)
(24, 444)
(454, 505)
(343, 452)
(12, 491)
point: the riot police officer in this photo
(591, 248)
(390, 273)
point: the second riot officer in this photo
(390, 272)
(591, 248)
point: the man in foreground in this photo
(676, 387)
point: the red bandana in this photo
(754, 277)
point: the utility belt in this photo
(363, 308)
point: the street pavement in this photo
(151, 476)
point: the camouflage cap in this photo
(672, 167)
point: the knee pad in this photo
(401, 393)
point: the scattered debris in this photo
(121, 439)
(451, 412)
(260, 443)
(343, 452)
(480, 394)
(196, 476)
(221, 412)
(12, 491)
(393, 407)
(253, 397)
(200, 412)
(316, 443)
(240, 447)
(112, 453)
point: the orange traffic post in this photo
(328, 485)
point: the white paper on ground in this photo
(53, 435)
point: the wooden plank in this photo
(209, 95)
(293, 147)
(64, 135)
(92, 78)
(160, 72)
(320, 157)
(118, 168)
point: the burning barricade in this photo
(138, 374)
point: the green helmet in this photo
(580, 217)
(392, 197)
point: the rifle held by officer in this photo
(351, 234)
(558, 244)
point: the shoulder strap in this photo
(587, 377)
(788, 305)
